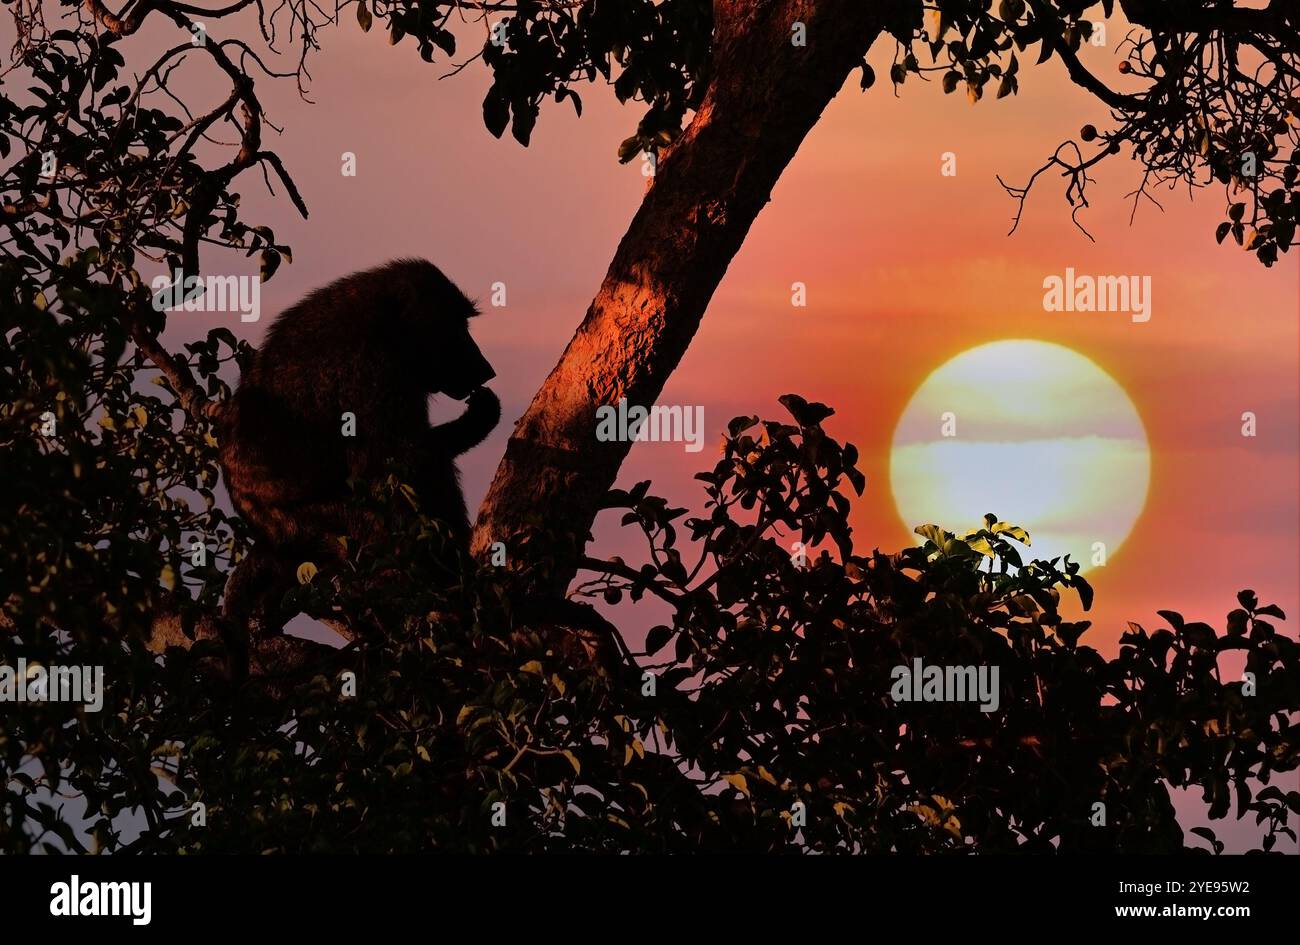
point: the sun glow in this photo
(1033, 432)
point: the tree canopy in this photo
(759, 718)
(771, 682)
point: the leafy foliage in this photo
(771, 691)
(471, 693)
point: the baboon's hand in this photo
(484, 407)
(482, 413)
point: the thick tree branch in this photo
(271, 659)
(766, 94)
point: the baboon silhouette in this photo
(337, 391)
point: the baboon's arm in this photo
(482, 414)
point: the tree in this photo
(760, 718)
(1199, 111)
(114, 549)
(1209, 94)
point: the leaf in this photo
(629, 149)
(933, 533)
(1173, 618)
(1221, 799)
(1199, 634)
(270, 262)
(1014, 531)
(856, 479)
(1084, 590)
(521, 127)
(926, 813)
(444, 40)
(956, 548)
(657, 638)
(573, 760)
(496, 112)
(805, 414)
(1208, 834)
(934, 25)
(564, 92)
(364, 17)
(306, 571)
(532, 666)
(738, 782)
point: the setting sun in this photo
(1033, 432)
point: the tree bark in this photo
(765, 96)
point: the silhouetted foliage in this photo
(771, 689)
(777, 687)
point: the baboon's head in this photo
(463, 367)
(436, 334)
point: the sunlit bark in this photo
(766, 93)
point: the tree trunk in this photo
(765, 95)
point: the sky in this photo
(904, 268)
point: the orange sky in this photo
(905, 268)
